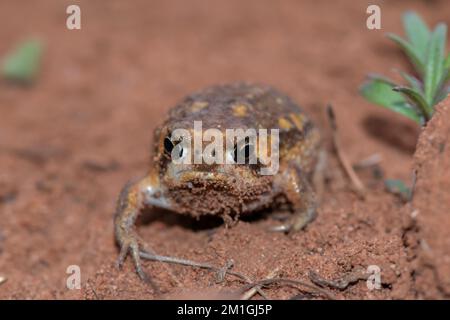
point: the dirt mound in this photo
(431, 206)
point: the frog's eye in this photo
(246, 151)
(168, 145)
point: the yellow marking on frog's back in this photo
(284, 123)
(199, 105)
(298, 120)
(240, 110)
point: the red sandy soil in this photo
(70, 142)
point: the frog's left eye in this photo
(244, 152)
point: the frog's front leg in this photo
(299, 193)
(133, 197)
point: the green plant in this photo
(425, 49)
(22, 64)
(398, 188)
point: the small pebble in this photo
(2, 280)
(414, 214)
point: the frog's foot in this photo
(131, 200)
(130, 245)
(297, 222)
(302, 198)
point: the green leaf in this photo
(442, 94)
(399, 188)
(380, 77)
(434, 69)
(417, 99)
(447, 62)
(447, 67)
(23, 63)
(413, 81)
(380, 92)
(417, 32)
(410, 51)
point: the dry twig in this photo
(291, 282)
(343, 282)
(356, 182)
(251, 292)
(221, 272)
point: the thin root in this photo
(220, 275)
(248, 290)
(220, 272)
(356, 182)
(251, 292)
(189, 263)
(342, 283)
(291, 282)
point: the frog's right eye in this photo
(168, 145)
(246, 151)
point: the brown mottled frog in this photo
(228, 190)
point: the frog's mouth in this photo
(205, 199)
(199, 191)
(210, 176)
(194, 195)
(210, 189)
(189, 176)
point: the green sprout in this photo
(398, 188)
(22, 64)
(425, 50)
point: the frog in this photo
(224, 189)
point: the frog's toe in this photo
(297, 222)
(301, 220)
(281, 228)
(131, 246)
